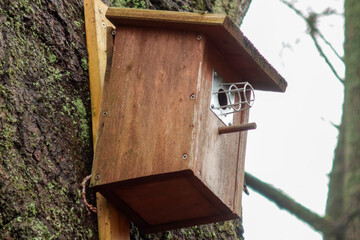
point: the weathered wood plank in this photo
(177, 200)
(111, 223)
(96, 38)
(238, 51)
(118, 15)
(147, 119)
(217, 155)
(156, 120)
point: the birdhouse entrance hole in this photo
(229, 98)
(222, 98)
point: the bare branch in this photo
(331, 47)
(285, 202)
(313, 31)
(322, 54)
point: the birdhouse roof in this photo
(238, 51)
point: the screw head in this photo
(229, 123)
(105, 113)
(113, 32)
(212, 106)
(192, 96)
(97, 177)
(104, 24)
(100, 10)
(199, 37)
(184, 156)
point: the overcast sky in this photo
(293, 146)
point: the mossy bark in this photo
(45, 147)
(335, 200)
(352, 119)
(343, 205)
(45, 121)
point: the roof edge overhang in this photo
(239, 52)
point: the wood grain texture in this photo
(238, 51)
(217, 156)
(96, 37)
(177, 200)
(156, 121)
(111, 223)
(240, 166)
(148, 122)
(155, 118)
(118, 15)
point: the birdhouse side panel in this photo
(218, 157)
(147, 119)
(239, 180)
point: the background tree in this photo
(45, 141)
(342, 213)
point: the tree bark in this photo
(335, 200)
(352, 119)
(45, 120)
(343, 204)
(45, 146)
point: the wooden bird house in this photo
(171, 140)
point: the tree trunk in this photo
(45, 146)
(335, 200)
(352, 120)
(45, 120)
(343, 204)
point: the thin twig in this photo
(322, 54)
(89, 207)
(331, 47)
(313, 31)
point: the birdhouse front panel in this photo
(147, 122)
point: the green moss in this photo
(35, 83)
(51, 58)
(77, 24)
(90, 233)
(84, 64)
(129, 3)
(80, 108)
(168, 235)
(198, 5)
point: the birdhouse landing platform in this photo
(162, 156)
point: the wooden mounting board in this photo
(112, 224)
(238, 51)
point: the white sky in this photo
(292, 148)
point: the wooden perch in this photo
(237, 128)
